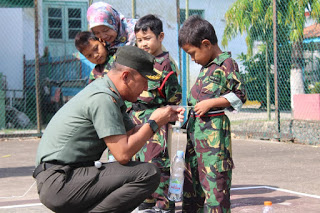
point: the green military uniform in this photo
(69, 178)
(155, 150)
(73, 140)
(75, 134)
(208, 154)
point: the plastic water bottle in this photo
(111, 158)
(176, 177)
(267, 207)
(176, 128)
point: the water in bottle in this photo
(267, 207)
(176, 177)
(111, 158)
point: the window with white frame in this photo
(191, 12)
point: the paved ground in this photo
(286, 174)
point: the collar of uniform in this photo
(163, 56)
(113, 89)
(220, 59)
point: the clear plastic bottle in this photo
(177, 177)
(111, 158)
(267, 207)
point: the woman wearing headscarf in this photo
(110, 26)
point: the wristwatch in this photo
(154, 126)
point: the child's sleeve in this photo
(237, 95)
(109, 63)
(91, 76)
(172, 88)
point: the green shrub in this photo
(316, 88)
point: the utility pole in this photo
(275, 55)
(37, 67)
(133, 8)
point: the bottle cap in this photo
(267, 203)
(97, 164)
(180, 154)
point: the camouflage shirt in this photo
(101, 69)
(171, 91)
(218, 78)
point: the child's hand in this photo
(203, 107)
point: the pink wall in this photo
(306, 106)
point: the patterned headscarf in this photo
(101, 13)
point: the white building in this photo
(59, 20)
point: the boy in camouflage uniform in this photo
(96, 52)
(149, 36)
(208, 153)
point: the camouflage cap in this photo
(139, 60)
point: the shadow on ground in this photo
(16, 171)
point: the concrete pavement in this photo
(285, 173)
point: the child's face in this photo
(95, 52)
(149, 42)
(200, 55)
(105, 33)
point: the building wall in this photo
(11, 52)
(17, 39)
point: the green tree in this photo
(255, 18)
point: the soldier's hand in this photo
(167, 114)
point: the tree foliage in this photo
(255, 18)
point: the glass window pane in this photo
(191, 12)
(56, 34)
(55, 12)
(55, 23)
(75, 24)
(72, 33)
(74, 13)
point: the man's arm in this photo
(123, 147)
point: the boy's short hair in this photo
(149, 21)
(82, 39)
(194, 30)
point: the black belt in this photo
(193, 114)
(46, 165)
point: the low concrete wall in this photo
(298, 131)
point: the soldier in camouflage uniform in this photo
(149, 36)
(208, 153)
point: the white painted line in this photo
(21, 195)
(20, 206)
(293, 192)
(286, 204)
(232, 189)
(245, 188)
(276, 189)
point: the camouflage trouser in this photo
(209, 165)
(156, 151)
